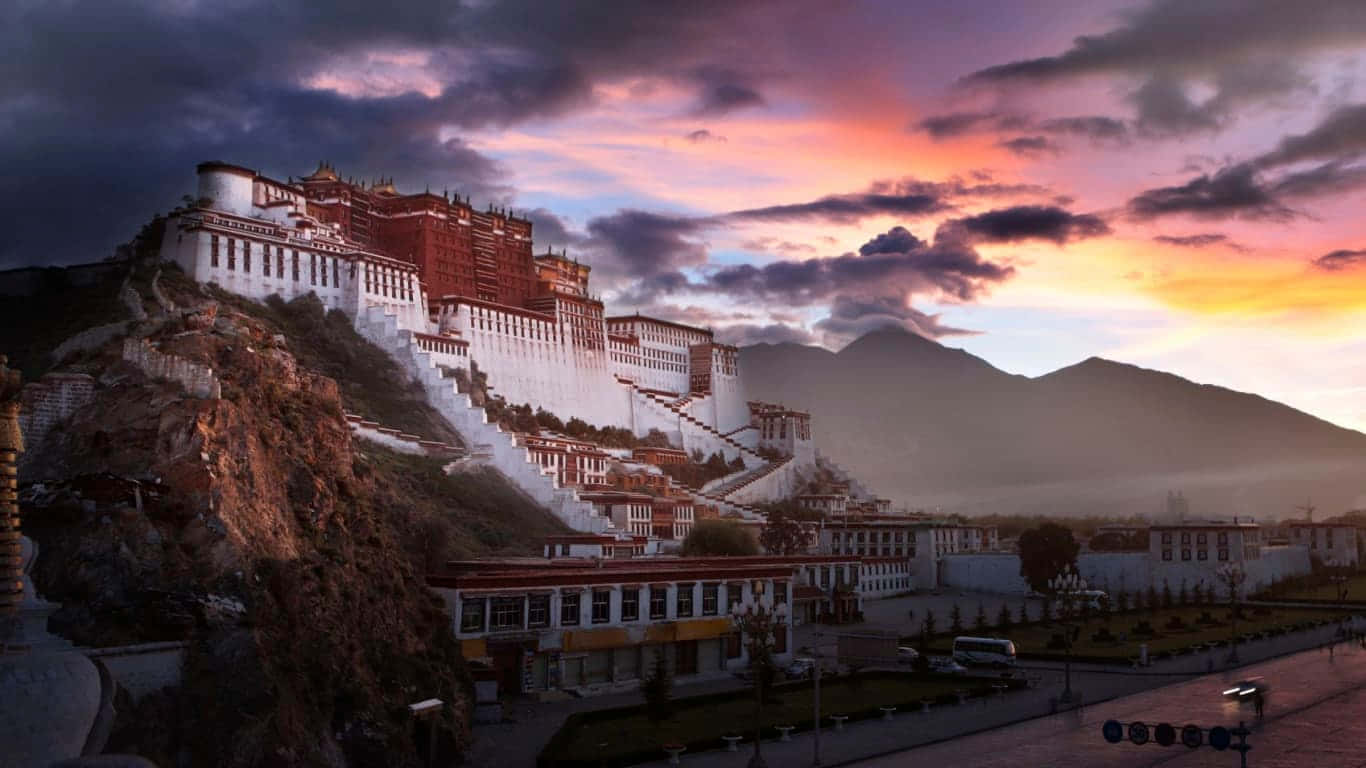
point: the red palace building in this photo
(459, 251)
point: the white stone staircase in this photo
(472, 424)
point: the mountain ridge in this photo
(934, 422)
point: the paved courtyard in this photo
(1314, 714)
(1026, 735)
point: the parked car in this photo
(905, 655)
(945, 665)
(800, 669)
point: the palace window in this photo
(709, 599)
(1202, 554)
(323, 268)
(213, 251)
(538, 611)
(246, 256)
(659, 597)
(505, 613)
(312, 269)
(569, 609)
(1166, 554)
(296, 265)
(630, 604)
(733, 595)
(683, 605)
(602, 606)
(1185, 553)
(779, 593)
(280, 262)
(1223, 553)
(336, 274)
(472, 615)
(232, 253)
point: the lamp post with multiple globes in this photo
(1067, 586)
(759, 620)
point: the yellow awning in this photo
(703, 629)
(660, 633)
(474, 648)
(595, 639)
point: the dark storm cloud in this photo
(1200, 240)
(551, 231)
(118, 99)
(1197, 36)
(1023, 222)
(894, 240)
(1261, 187)
(951, 269)
(647, 245)
(1094, 127)
(1248, 53)
(1030, 146)
(851, 317)
(720, 95)
(702, 135)
(961, 123)
(1341, 135)
(1340, 260)
(847, 209)
(1233, 191)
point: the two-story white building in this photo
(1327, 542)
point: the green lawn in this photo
(704, 719)
(1356, 591)
(1034, 639)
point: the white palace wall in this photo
(1115, 571)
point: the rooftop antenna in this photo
(1308, 510)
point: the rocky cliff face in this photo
(290, 558)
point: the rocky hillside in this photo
(937, 427)
(289, 556)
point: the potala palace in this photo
(447, 290)
(443, 287)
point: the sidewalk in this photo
(871, 738)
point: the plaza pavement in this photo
(1028, 735)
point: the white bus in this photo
(993, 651)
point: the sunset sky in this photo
(1174, 184)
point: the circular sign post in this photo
(1138, 733)
(1164, 734)
(1219, 737)
(1192, 736)
(1113, 731)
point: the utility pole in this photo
(816, 652)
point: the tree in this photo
(927, 624)
(1045, 552)
(1046, 614)
(979, 622)
(956, 620)
(1183, 597)
(1122, 601)
(1152, 599)
(783, 534)
(1003, 619)
(1166, 594)
(657, 687)
(718, 538)
(1024, 612)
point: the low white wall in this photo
(983, 572)
(1116, 571)
(144, 668)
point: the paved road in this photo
(1021, 742)
(1313, 718)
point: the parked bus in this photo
(992, 651)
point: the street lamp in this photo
(1337, 573)
(759, 621)
(1233, 576)
(1067, 586)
